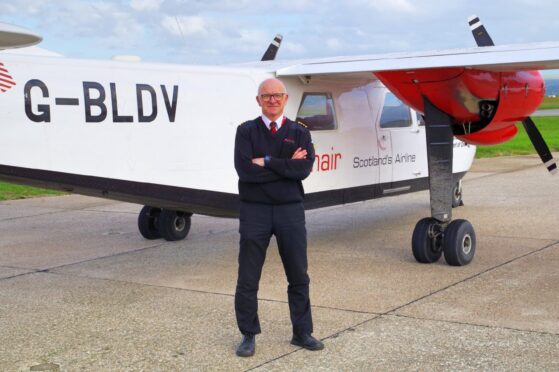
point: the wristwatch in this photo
(267, 159)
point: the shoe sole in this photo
(300, 344)
(245, 355)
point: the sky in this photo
(229, 31)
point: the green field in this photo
(549, 103)
(10, 191)
(520, 144)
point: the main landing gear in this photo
(156, 223)
(438, 235)
(457, 240)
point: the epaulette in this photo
(301, 124)
(244, 122)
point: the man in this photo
(272, 156)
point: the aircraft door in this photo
(402, 139)
(383, 141)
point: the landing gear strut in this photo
(439, 234)
(155, 223)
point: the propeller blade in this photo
(540, 145)
(483, 39)
(480, 33)
(273, 48)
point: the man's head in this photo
(272, 98)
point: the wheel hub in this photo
(180, 223)
(467, 244)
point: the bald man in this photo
(272, 156)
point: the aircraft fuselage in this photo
(163, 134)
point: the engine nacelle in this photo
(485, 105)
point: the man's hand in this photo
(299, 154)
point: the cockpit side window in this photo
(317, 111)
(395, 114)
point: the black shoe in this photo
(307, 341)
(246, 347)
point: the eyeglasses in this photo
(268, 97)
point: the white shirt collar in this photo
(279, 122)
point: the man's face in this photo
(272, 107)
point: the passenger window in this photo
(394, 113)
(317, 111)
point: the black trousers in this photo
(258, 222)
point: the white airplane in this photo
(162, 135)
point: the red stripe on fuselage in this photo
(6, 81)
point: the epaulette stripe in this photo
(301, 124)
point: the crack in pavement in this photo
(375, 316)
(47, 270)
(389, 313)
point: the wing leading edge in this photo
(533, 56)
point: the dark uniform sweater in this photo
(279, 182)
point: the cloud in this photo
(334, 43)
(404, 6)
(205, 31)
(183, 26)
(293, 48)
(145, 5)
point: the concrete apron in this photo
(80, 289)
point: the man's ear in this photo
(258, 100)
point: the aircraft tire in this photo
(424, 248)
(148, 222)
(174, 225)
(459, 243)
(457, 195)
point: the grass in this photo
(549, 103)
(10, 191)
(520, 144)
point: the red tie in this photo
(273, 127)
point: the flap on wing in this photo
(534, 56)
(16, 37)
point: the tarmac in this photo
(80, 289)
(547, 112)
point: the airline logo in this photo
(6, 81)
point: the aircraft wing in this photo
(533, 56)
